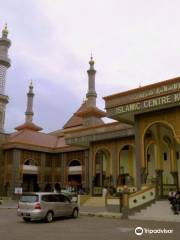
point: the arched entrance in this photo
(75, 174)
(161, 158)
(126, 165)
(150, 162)
(103, 177)
(30, 176)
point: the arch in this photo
(128, 144)
(74, 174)
(142, 141)
(102, 168)
(163, 151)
(152, 142)
(126, 165)
(150, 164)
(103, 149)
(30, 162)
(30, 175)
(74, 163)
(167, 140)
(160, 122)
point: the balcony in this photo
(75, 170)
(29, 169)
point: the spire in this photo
(91, 63)
(29, 111)
(5, 63)
(91, 94)
(29, 125)
(5, 31)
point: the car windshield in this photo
(29, 198)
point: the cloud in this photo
(133, 42)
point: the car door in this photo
(52, 204)
(64, 205)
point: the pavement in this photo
(84, 211)
(83, 228)
(155, 213)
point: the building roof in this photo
(84, 111)
(90, 111)
(141, 89)
(75, 120)
(30, 137)
(29, 125)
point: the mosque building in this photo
(141, 147)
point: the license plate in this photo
(26, 214)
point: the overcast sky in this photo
(133, 43)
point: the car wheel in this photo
(75, 213)
(49, 217)
(26, 219)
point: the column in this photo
(42, 173)
(114, 163)
(91, 172)
(159, 183)
(63, 169)
(15, 171)
(86, 169)
(139, 155)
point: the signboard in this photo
(18, 190)
(146, 104)
(153, 97)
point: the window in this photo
(29, 198)
(62, 198)
(165, 156)
(50, 198)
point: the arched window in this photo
(74, 163)
(30, 162)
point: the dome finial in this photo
(5, 31)
(91, 62)
(31, 87)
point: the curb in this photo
(106, 214)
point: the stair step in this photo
(160, 211)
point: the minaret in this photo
(91, 94)
(29, 125)
(29, 111)
(5, 63)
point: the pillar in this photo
(139, 155)
(86, 169)
(16, 182)
(42, 172)
(114, 163)
(91, 172)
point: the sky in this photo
(134, 43)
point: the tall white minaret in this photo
(5, 63)
(91, 94)
(29, 111)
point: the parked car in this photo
(47, 206)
